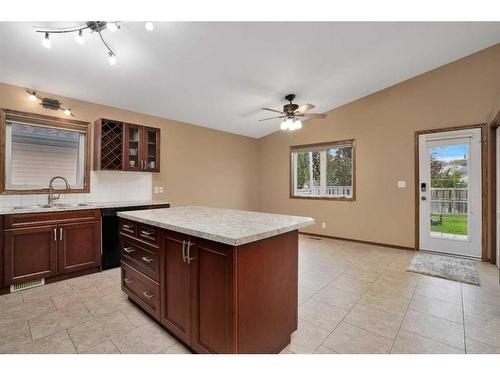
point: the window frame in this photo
(50, 121)
(322, 145)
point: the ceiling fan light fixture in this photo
(67, 112)
(32, 97)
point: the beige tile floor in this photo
(353, 298)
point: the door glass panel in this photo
(133, 147)
(151, 149)
(449, 191)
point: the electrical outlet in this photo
(401, 184)
(161, 189)
(323, 225)
(156, 189)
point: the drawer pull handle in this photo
(128, 281)
(148, 295)
(129, 250)
(127, 226)
(147, 259)
(146, 233)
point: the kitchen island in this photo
(221, 281)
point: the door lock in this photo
(424, 198)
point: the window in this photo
(38, 148)
(323, 170)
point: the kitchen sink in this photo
(72, 205)
(41, 206)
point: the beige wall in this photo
(208, 167)
(383, 125)
(198, 165)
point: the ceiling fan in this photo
(292, 113)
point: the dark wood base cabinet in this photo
(50, 245)
(215, 298)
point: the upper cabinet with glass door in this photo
(137, 147)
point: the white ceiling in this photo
(218, 75)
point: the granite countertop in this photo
(87, 206)
(232, 227)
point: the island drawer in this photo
(143, 258)
(141, 289)
(128, 227)
(147, 234)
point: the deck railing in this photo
(449, 200)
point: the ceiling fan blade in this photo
(272, 110)
(314, 115)
(271, 118)
(305, 107)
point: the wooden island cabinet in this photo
(215, 293)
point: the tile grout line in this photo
(463, 316)
(402, 321)
(71, 338)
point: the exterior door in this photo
(132, 150)
(175, 286)
(79, 246)
(450, 192)
(30, 253)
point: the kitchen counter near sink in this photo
(220, 280)
(24, 209)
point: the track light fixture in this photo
(90, 26)
(49, 103)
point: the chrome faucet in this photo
(52, 198)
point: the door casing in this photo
(484, 183)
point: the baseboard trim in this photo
(359, 241)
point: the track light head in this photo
(46, 41)
(111, 58)
(79, 38)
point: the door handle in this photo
(55, 234)
(184, 251)
(188, 256)
(60, 234)
(424, 198)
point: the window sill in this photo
(352, 199)
(44, 191)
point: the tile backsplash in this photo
(104, 186)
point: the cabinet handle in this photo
(146, 233)
(128, 281)
(129, 250)
(147, 259)
(60, 234)
(127, 226)
(184, 251)
(188, 256)
(55, 234)
(148, 295)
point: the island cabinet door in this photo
(175, 285)
(212, 271)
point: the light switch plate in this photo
(401, 184)
(161, 189)
(156, 189)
